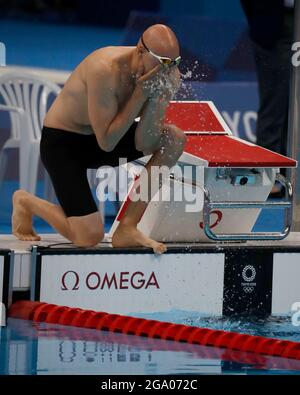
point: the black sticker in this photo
(248, 282)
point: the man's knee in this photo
(84, 236)
(176, 138)
(90, 239)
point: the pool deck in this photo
(23, 247)
(216, 269)
(22, 256)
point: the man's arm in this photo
(108, 123)
(151, 124)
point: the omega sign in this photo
(71, 281)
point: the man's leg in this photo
(166, 143)
(170, 148)
(151, 125)
(83, 231)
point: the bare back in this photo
(69, 111)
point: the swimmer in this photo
(91, 123)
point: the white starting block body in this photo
(216, 167)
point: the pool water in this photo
(279, 327)
(41, 349)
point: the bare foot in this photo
(130, 236)
(22, 218)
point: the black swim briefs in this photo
(67, 156)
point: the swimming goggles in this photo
(162, 59)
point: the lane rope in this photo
(71, 316)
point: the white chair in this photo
(26, 97)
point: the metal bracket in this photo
(34, 255)
(286, 204)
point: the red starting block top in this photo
(209, 138)
(196, 117)
(230, 151)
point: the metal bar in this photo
(11, 277)
(294, 125)
(269, 205)
(246, 236)
(208, 205)
(33, 272)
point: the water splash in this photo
(163, 85)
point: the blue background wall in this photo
(115, 13)
(221, 9)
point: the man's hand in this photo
(174, 77)
(145, 82)
(166, 84)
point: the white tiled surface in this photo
(23, 247)
(10, 242)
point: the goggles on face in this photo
(162, 59)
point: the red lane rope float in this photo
(50, 313)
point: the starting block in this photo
(230, 180)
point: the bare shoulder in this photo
(99, 67)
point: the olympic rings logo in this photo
(248, 290)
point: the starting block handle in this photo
(286, 204)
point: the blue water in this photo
(279, 327)
(39, 349)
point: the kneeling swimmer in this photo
(92, 123)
